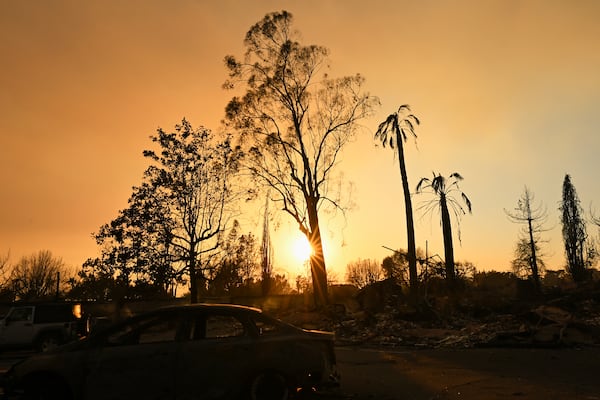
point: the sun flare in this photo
(301, 249)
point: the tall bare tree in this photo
(394, 131)
(38, 276)
(295, 122)
(443, 190)
(533, 218)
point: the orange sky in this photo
(507, 92)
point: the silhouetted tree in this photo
(443, 190)
(38, 276)
(465, 270)
(363, 272)
(527, 253)
(580, 254)
(522, 263)
(193, 176)
(303, 284)
(237, 264)
(97, 280)
(4, 269)
(6, 289)
(280, 284)
(396, 266)
(395, 131)
(295, 124)
(135, 250)
(175, 219)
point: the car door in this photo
(136, 362)
(17, 327)
(216, 360)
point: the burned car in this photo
(202, 351)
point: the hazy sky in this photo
(507, 92)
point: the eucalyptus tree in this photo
(394, 131)
(579, 252)
(295, 120)
(527, 252)
(444, 190)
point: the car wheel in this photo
(46, 388)
(47, 342)
(269, 386)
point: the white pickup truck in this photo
(41, 326)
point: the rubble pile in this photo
(554, 324)
(540, 328)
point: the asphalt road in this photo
(470, 374)
(466, 374)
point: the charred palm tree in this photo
(394, 131)
(444, 190)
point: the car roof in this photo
(210, 306)
(44, 303)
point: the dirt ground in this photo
(470, 374)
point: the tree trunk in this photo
(265, 252)
(317, 258)
(193, 287)
(318, 272)
(448, 245)
(410, 228)
(193, 278)
(534, 267)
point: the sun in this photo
(301, 249)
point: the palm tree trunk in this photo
(410, 228)
(448, 245)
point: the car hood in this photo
(317, 334)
